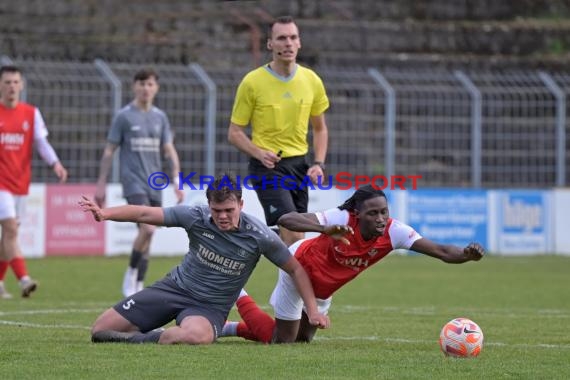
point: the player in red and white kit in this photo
(354, 236)
(21, 127)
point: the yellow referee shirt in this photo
(278, 108)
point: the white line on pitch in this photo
(49, 311)
(429, 310)
(415, 341)
(340, 338)
(42, 326)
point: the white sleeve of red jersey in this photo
(402, 236)
(40, 140)
(332, 216)
(40, 130)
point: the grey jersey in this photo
(140, 136)
(219, 263)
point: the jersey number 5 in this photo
(129, 303)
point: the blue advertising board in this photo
(523, 222)
(449, 216)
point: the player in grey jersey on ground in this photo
(225, 246)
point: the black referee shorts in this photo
(278, 189)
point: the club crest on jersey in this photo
(25, 126)
(242, 252)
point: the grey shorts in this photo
(163, 302)
(143, 200)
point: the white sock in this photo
(243, 293)
(25, 278)
(230, 329)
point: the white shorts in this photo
(11, 206)
(286, 300)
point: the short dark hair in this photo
(9, 69)
(222, 189)
(144, 74)
(363, 193)
(280, 20)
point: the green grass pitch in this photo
(385, 325)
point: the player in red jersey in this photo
(21, 127)
(354, 236)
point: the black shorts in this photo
(163, 302)
(278, 200)
(143, 200)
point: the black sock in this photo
(149, 337)
(135, 258)
(110, 336)
(143, 267)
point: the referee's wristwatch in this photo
(320, 164)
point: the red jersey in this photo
(19, 126)
(330, 263)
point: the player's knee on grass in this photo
(193, 330)
(193, 337)
(111, 320)
(285, 331)
(306, 330)
(306, 336)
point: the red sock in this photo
(244, 332)
(18, 265)
(3, 268)
(260, 323)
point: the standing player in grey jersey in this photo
(141, 130)
(225, 246)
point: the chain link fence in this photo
(455, 129)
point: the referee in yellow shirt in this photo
(278, 100)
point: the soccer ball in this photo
(461, 338)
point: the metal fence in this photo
(460, 129)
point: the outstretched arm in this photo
(308, 222)
(303, 284)
(449, 253)
(128, 213)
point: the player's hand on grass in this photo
(320, 320)
(474, 251)
(338, 232)
(90, 206)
